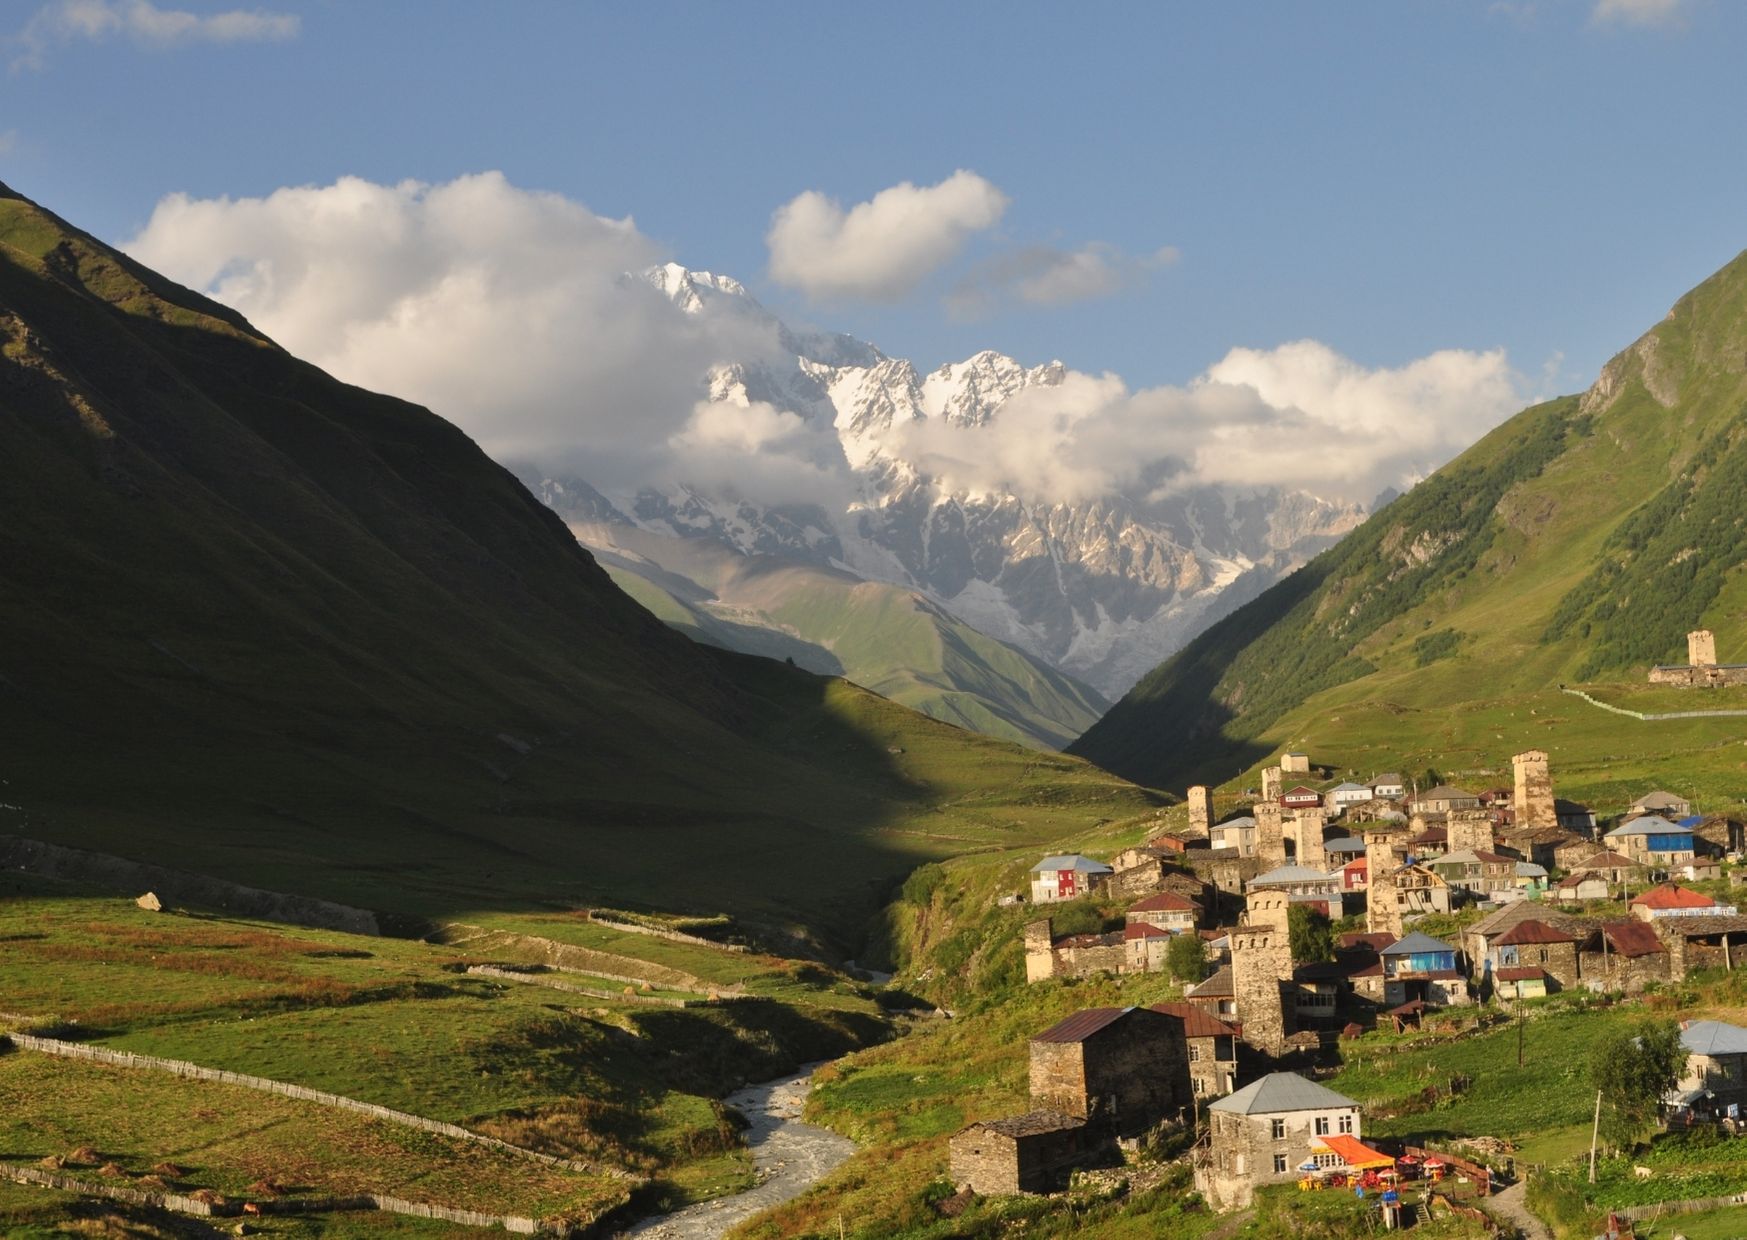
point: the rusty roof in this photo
(1197, 1021)
(1532, 931)
(1165, 902)
(1628, 938)
(1082, 1025)
(1522, 973)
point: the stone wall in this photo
(1696, 678)
(194, 1072)
(181, 887)
(1039, 957)
(1701, 648)
(1127, 1077)
(1271, 783)
(1382, 905)
(993, 1162)
(181, 1203)
(1268, 908)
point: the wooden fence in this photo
(1477, 1172)
(1638, 1214)
(1653, 718)
(195, 1072)
(181, 1203)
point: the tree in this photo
(1429, 779)
(1187, 957)
(1310, 934)
(1632, 1070)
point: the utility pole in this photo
(1519, 1024)
(1594, 1135)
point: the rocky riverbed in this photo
(787, 1154)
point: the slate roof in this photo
(1529, 869)
(1649, 824)
(1608, 859)
(1072, 861)
(1672, 895)
(1219, 986)
(1659, 799)
(1714, 1037)
(1526, 932)
(1082, 1025)
(1415, 944)
(1247, 821)
(1346, 844)
(1447, 792)
(1198, 1022)
(1031, 1124)
(1281, 1091)
(1468, 856)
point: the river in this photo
(787, 1155)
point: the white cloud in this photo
(508, 312)
(1638, 12)
(65, 21)
(1046, 276)
(883, 248)
(8, 141)
(505, 310)
(1299, 416)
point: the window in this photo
(1277, 1129)
(1346, 1125)
(1322, 1125)
(1194, 1054)
(1279, 1164)
(1200, 1085)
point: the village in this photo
(1547, 896)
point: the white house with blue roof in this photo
(1653, 841)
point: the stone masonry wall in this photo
(1260, 957)
(1200, 801)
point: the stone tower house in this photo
(1701, 648)
(1201, 808)
(1469, 828)
(1270, 835)
(1532, 799)
(1268, 909)
(1039, 954)
(1306, 826)
(1270, 783)
(1260, 958)
(1382, 908)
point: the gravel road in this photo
(787, 1154)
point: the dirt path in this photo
(788, 1155)
(1511, 1205)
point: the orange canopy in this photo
(1354, 1152)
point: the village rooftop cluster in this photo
(1228, 1060)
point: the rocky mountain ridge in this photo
(1101, 589)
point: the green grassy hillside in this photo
(884, 637)
(1579, 541)
(260, 624)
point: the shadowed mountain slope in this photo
(256, 622)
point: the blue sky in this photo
(1387, 178)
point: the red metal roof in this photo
(1165, 902)
(1532, 932)
(1144, 930)
(1673, 895)
(1082, 1025)
(1197, 1021)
